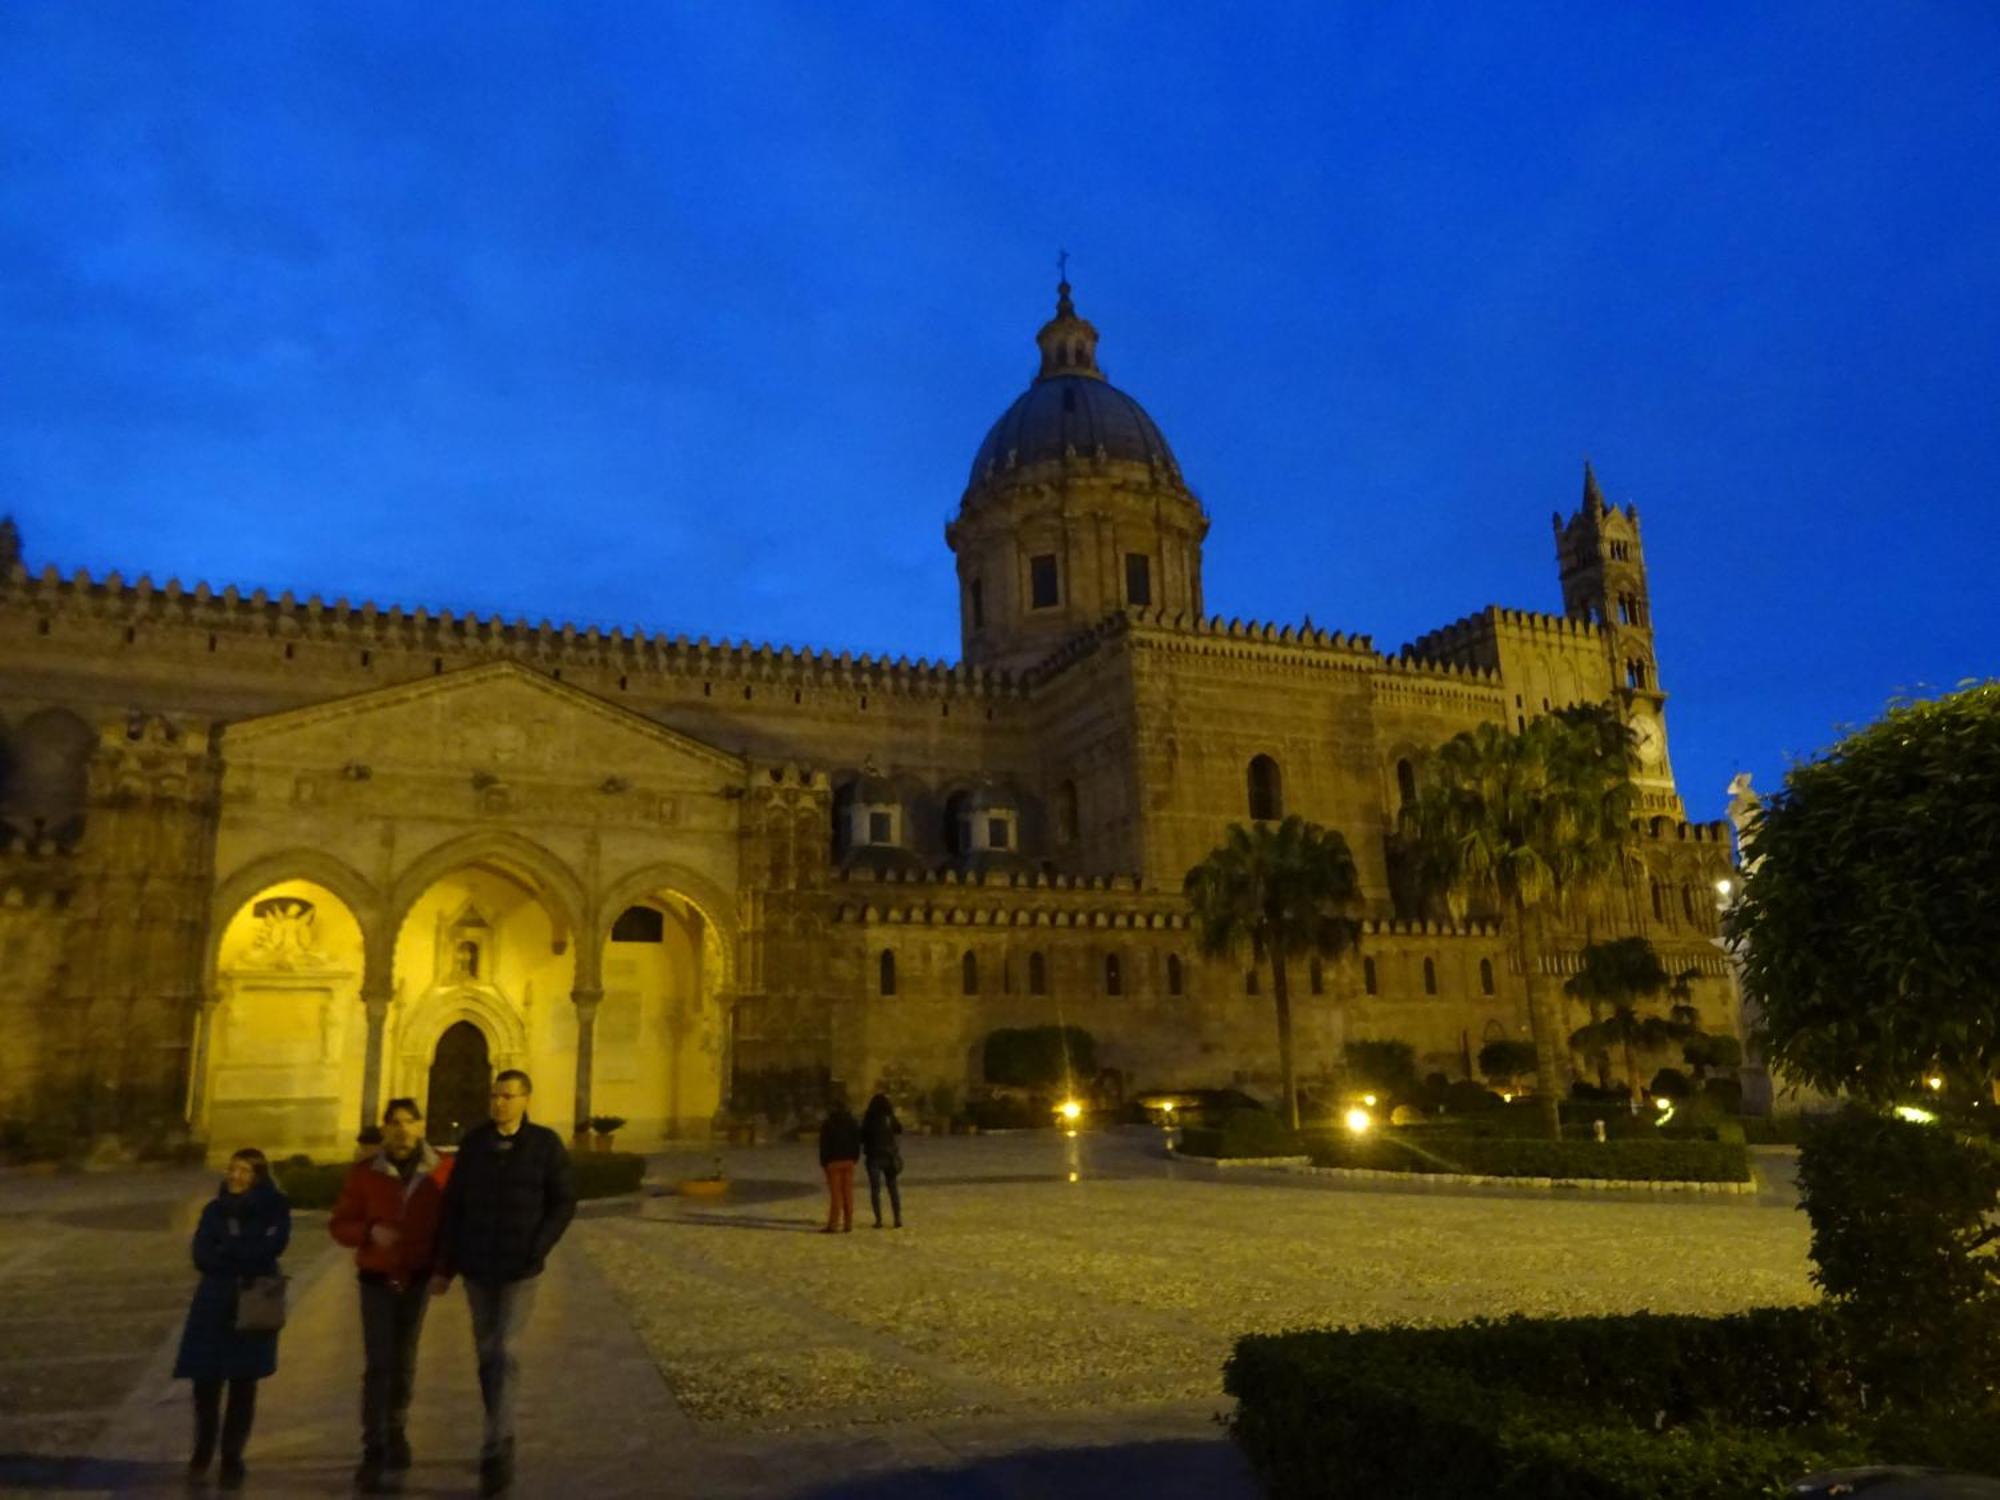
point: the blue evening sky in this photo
(692, 316)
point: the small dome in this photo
(1064, 413)
(1071, 408)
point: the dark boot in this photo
(232, 1475)
(207, 1423)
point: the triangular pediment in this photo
(502, 718)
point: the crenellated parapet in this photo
(1472, 638)
(469, 638)
(1664, 830)
(1416, 928)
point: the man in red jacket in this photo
(388, 1210)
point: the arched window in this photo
(1066, 816)
(1173, 973)
(1368, 976)
(1114, 975)
(885, 973)
(1687, 902)
(1267, 795)
(1659, 902)
(968, 972)
(1485, 976)
(1430, 976)
(957, 823)
(1316, 977)
(1406, 783)
(639, 924)
(1038, 974)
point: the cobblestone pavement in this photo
(1053, 1319)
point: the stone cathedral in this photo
(266, 861)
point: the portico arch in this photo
(535, 867)
(660, 1042)
(354, 889)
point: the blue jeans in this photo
(880, 1168)
(499, 1315)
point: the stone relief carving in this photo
(287, 936)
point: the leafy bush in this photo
(1434, 1151)
(1727, 1094)
(1670, 1083)
(309, 1184)
(608, 1174)
(1039, 1056)
(1388, 1067)
(1464, 1097)
(599, 1174)
(1900, 1247)
(1007, 1112)
(1645, 1407)
(606, 1124)
(1242, 1133)
(1504, 1061)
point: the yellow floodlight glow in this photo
(1072, 1177)
(1359, 1120)
(1725, 886)
(1666, 1109)
(1914, 1115)
(1167, 1107)
(1369, 1100)
(1663, 1104)
(1934, 1083)
(1069, 1109)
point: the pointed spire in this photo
(1593, 497)
(1068, 343)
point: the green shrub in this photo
(1431, 1151)
(1464, 1097)
(309, 1184)
(1900, 1245)
(1242, 1133)
(1039, 1056)
(1635, 1408)
(1670, 1083)
(1387, 1067)
(599, 1174)
(1502, 1061)
(608, 1174)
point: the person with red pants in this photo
(839, 1150)
(388, 1211)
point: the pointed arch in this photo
(716, 905)
(322, 869)
(537, 868)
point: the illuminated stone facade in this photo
(265, 862)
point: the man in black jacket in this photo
(510, 1197)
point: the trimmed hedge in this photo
(1646, 1407)
(1242, 1133)
(1500, 1156)
(599, 1174)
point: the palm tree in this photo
(1528, 822)
(1280, 891)
(1620, 974)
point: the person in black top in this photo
(243, 1230)
(879, 1129)
(510, 1197)
(839, 1150)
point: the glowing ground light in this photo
(1934, 1083)
(1914, 1115)
(1369, 1100)
(1069, 1109)
(1358, 1120)
(1072, 1177)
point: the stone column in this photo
(375, 1001)
(587, 1001)
(198, 1061)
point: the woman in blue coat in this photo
(243, 1231)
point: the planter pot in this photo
(702, 1187)
(602, 1142)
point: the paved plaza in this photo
(1054, 1319)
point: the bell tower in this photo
(1603, 568)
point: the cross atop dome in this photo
(1068, 343)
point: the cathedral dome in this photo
(1071, 414)
(1070, 410)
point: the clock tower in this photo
(1603, 567)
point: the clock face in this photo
(1649, 741)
